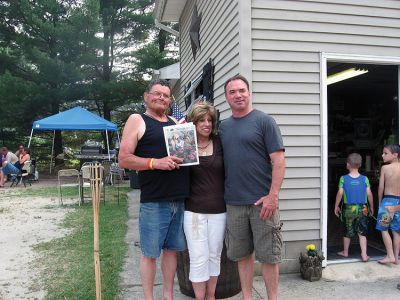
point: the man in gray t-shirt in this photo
(254, 170)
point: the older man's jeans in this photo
(161, 227)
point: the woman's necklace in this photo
(203, 150)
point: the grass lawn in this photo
(68, 263)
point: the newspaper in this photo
(181, 141)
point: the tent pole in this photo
(108, 146)
(119, 141)
(52, 150)
(119, 145)
(30, 138)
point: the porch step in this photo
(360, 271)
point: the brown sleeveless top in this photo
(207, 183)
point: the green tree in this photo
(125, 25)
(44, 45)
(55, 54)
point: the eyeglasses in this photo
(160, 95)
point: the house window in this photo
(192, 91)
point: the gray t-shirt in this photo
(247, 143)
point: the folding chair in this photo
(86, 182)
(107, 174)
(28, 172)
(15, 178)
(118, 173)
(68, 178)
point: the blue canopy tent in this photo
(76, 118)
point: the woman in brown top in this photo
(205, 212)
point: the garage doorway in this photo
(362, 116)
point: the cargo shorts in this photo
(247, 233)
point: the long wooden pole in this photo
(96, 175)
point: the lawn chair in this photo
(27, 173)
(112, 172)
(15, 178)
(117, 173)
(86, 182)
(107, 174)
(68, 178)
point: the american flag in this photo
(177, 114)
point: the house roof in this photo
(171, 73)
(76, 118)
(169, 10)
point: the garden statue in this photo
(311, 263)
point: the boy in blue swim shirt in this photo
(355, 190)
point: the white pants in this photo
(205, 237)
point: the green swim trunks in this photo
(355, 220)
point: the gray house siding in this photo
(287, 39)
(219, 40)
(282, 54)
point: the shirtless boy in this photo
(389, 195)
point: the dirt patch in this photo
(25, 222)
